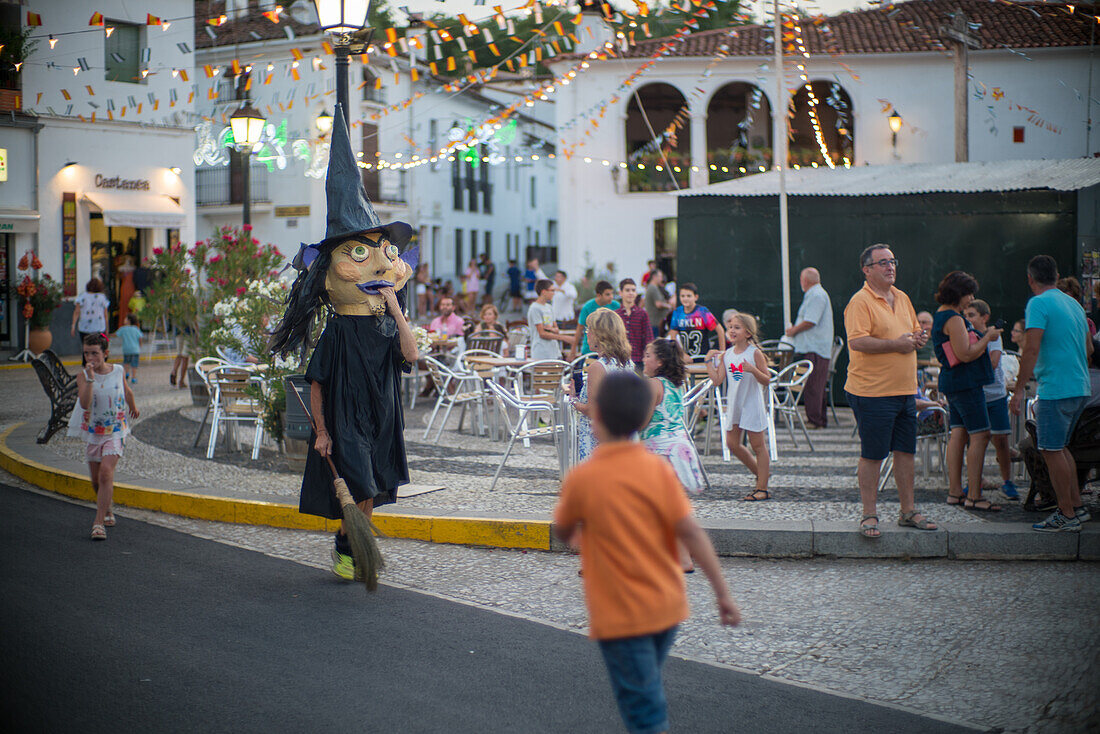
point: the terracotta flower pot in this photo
(39, 340)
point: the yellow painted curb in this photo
(76, 362)
(499, 533)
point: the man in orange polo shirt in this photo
(883, 336)
(633, 510)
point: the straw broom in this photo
(360, 530)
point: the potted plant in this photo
(41, 294)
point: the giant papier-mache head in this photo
(358, 257)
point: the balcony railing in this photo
(217, 187)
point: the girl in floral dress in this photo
(606, 337)
(100, 419)
(665, 435)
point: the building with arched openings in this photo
(701, 112)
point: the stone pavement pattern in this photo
(1006, 645)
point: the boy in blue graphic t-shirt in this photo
(694, 325)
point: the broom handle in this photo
(312, 422)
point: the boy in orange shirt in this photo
(633, 510)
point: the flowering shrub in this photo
(41, 294)
(189, 282)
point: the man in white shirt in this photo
(545, 339)
(565, 298)
(812, 339)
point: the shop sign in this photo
(115, 182)
(292, 211)
(3, 164)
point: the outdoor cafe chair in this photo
(691, 402)
(838, 348)
(470, 364)
(203, 367)
(925, 443)
(231, 404)
(778, 352)
(789, 385)
(518, 427)
(455, 387)
(540, 380)
(485, 340)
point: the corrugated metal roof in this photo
(915, 178)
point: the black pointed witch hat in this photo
(349, 209)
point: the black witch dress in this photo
(358, 365)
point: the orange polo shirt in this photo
(628, 501)
(889, 373)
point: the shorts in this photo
(131, 359)
(1055, 420)
(183, 349)
(515, 292)
(885, 424)
(966, 409)
(94, 452)
(999, 422)
(634, 666)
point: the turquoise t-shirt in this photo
(1062, 369)
(131, 339)
(586, 310)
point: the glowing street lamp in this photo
(247, 125)
(895, 128)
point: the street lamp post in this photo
(346, 19)
(247, 124)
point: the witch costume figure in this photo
(354, 274)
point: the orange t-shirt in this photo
(889, 373)
(628, 501)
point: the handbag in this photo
(952, 360)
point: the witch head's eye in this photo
(391, 252)
(359, 253)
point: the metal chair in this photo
(518, 429)
(778, 352)
(204, 366)
(490, 341)
(924, 448)
(788, 388)
(838, 347)
(233, 404)
(469, 363)
(454, 388)
(538, 381)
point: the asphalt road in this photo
(156, 630)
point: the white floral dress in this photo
(105, 419)
(666, 436)
(586, 440)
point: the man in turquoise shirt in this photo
(1057, 349)
(605, 294)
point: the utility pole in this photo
(958, 36)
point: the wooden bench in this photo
(60, 388)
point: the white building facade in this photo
(708, 103)
(499, 198)
(99, 145)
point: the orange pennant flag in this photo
(268, 78)
(558, 27)
(472, 55)
(493, 48)
(327, 47)
(272, 15)
(183, 74)
(248, 84)
(33, 19)
(236, 66)
(296, 54)
(397, 77)
(65, 94)
(91, 92)
(97, 19)
(391, 35)
(209, 70)
(450, 63)
(414, 73)
(434, 68)
(151, 19)
(294, 73)
(378, 83)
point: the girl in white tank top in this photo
(743, 369)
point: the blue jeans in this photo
(634, 666)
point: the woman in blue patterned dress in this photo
(606, 337)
